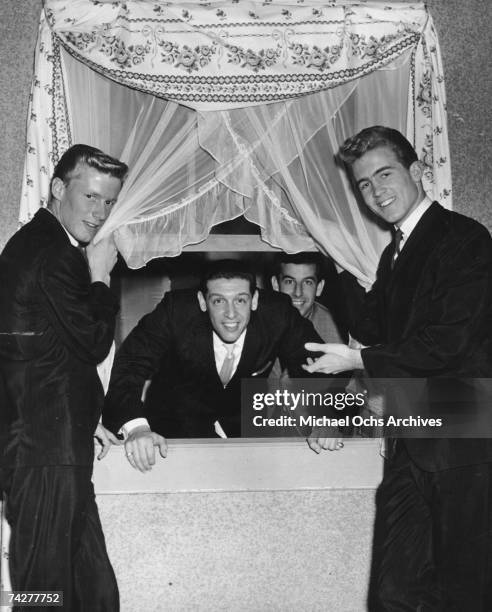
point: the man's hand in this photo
(320, 439)
(101, 258)
(337, 358)
(140, 448)
(105, 439)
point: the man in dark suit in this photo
(427, 316)
(57, 317)
(185, 346)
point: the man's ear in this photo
(202, 301)
(416, 171)
(275, 284)
(57, 188)
(254, 301)
(319, 287)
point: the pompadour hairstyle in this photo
(90, 156)
(228, 268)
(372, 138)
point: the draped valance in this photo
(210, 54)
(232, 107)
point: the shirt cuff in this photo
(129, 426)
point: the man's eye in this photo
(309, 283)
(287, 281)
(363, 186)
(241, 301)
(90, 196)
(217, 301)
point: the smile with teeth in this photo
(386, 202)
(231, 326)
(91, 226)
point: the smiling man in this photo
(300, 276)
(57, 318)
(427, 316)
(196, 347)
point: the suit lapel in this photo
(256, 350)
(250, 350)
(423, 232)
(402, 283)
(202, 347)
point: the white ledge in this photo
(244, 465)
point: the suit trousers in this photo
(432, 546)
(56, 541)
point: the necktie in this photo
(228, 366)
(81, 248)
(398, 237)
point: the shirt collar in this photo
(414, 217)
(238, 345)
(73, 242)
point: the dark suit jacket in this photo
(174, 345)
(55, 327)
(431, 317)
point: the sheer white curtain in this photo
(274, 163)
(171, 196)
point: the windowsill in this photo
(244, 465)
(236, 242)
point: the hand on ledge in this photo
(105, 439)
(320, 439)
(140, 448)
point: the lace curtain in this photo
(204, 147)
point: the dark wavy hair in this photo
(307, 258)
(372, 138)
(228, 268)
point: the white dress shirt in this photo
(411, 221)
(220, 353)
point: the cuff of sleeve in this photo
(358, 360)
(129, 426)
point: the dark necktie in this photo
(81, 248)
(397, 238)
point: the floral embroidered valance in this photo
(205, 54)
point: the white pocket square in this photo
(260, 371)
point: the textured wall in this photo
(18, 30)
(465, 36)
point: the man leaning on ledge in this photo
(196, 346)
(428, 315)
(57, 318)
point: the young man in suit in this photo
(300, 276)
(196, 347)
(427, 316)
(57, 318)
